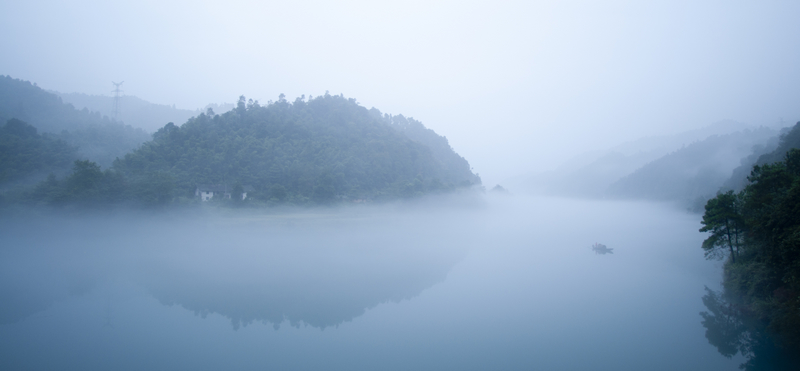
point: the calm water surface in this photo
(505, 283)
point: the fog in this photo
(517, 87)
(474, 283)
(588, 113)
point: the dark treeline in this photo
(323, 150)
(758, 229)
(319, 150)
(24, 152)
(96, 137)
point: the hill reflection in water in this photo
(511, 284)
(733, 330)
(306, 274)
(304, 268)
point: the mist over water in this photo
(493, 283)
(174, 175)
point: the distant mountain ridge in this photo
(590, 174)
(97, 137)
(317, 151)
(135, 111)
(693, 172)
(772, 151)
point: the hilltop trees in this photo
(317, 151)
(760, 228)
(25, 153)
(89, 186)
(723, 219)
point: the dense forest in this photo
(318, 150)
(24, 153)
(758, 230)
(96, 137)
(323, 150)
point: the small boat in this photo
(599, 248)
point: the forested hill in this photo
(27, 155)
(693, 172)
(453, 165)
(758, 230)
(96, 137)
(774, 151)
(27, 102)
(319, 150)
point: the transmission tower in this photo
(116, 92)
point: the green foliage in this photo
(89, 186)
(104, 143)
(455, 165)
(153, 189)
(723, 219)
(98, 138)
(765, 265)
(773, 152)
(277, 193)
(323, 150)
(24, 153)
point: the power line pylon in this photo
(116, 92)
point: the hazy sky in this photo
(515, 86)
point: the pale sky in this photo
(515, 86)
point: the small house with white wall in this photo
(209, 191)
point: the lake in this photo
(501, 283)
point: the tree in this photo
(154, 189)
(85, 182)
(236, 193)
(324, 191)
(724, 220)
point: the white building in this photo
(208, 191)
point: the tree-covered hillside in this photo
(773, 151)
(97, 137)
(693, 172)
(25, 154)
(453, 165)
(758, 229)
(316, 150)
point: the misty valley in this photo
(315, 233)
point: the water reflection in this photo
(305, 269)
(307, 285)
(732, 330)
(30, 284)
(515, 287)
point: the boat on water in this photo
(599, 248)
